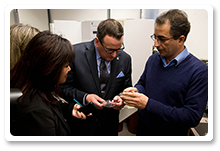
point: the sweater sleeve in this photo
(195, 102)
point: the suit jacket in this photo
(36, 118)
(83, 78)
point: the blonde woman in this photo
(20, 35)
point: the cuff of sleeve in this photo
(138, 88)
(84, 98)
(153, 106)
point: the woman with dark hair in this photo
(41, 68)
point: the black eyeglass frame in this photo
(110, 51)
(159, 39)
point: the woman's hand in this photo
(78, 114)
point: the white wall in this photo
(78, 14)
(138, 44)
(93, 14)
(70, 30)
(197, 40)
(34, 17)
(12, 17)
(125, 13)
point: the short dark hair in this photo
(110, 27)
(178, 20)
(39, 67)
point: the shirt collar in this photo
(177, 60)
(98, 57)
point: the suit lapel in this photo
(91, 60)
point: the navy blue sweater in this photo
(177, 94)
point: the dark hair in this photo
(110, 27)
(40, 66)
(178, 20)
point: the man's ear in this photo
(181, 39)
(96, 41)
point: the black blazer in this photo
(83, 78)
(37, 118)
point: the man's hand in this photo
(117, 101)
(134, 99)
(131, 89)
(99, 102)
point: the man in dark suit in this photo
(100, 71)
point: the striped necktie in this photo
(104, 76)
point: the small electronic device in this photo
(108, 104)
(88, 108)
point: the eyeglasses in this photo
(160, 39)
(110, 51)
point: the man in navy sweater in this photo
(172, 92)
